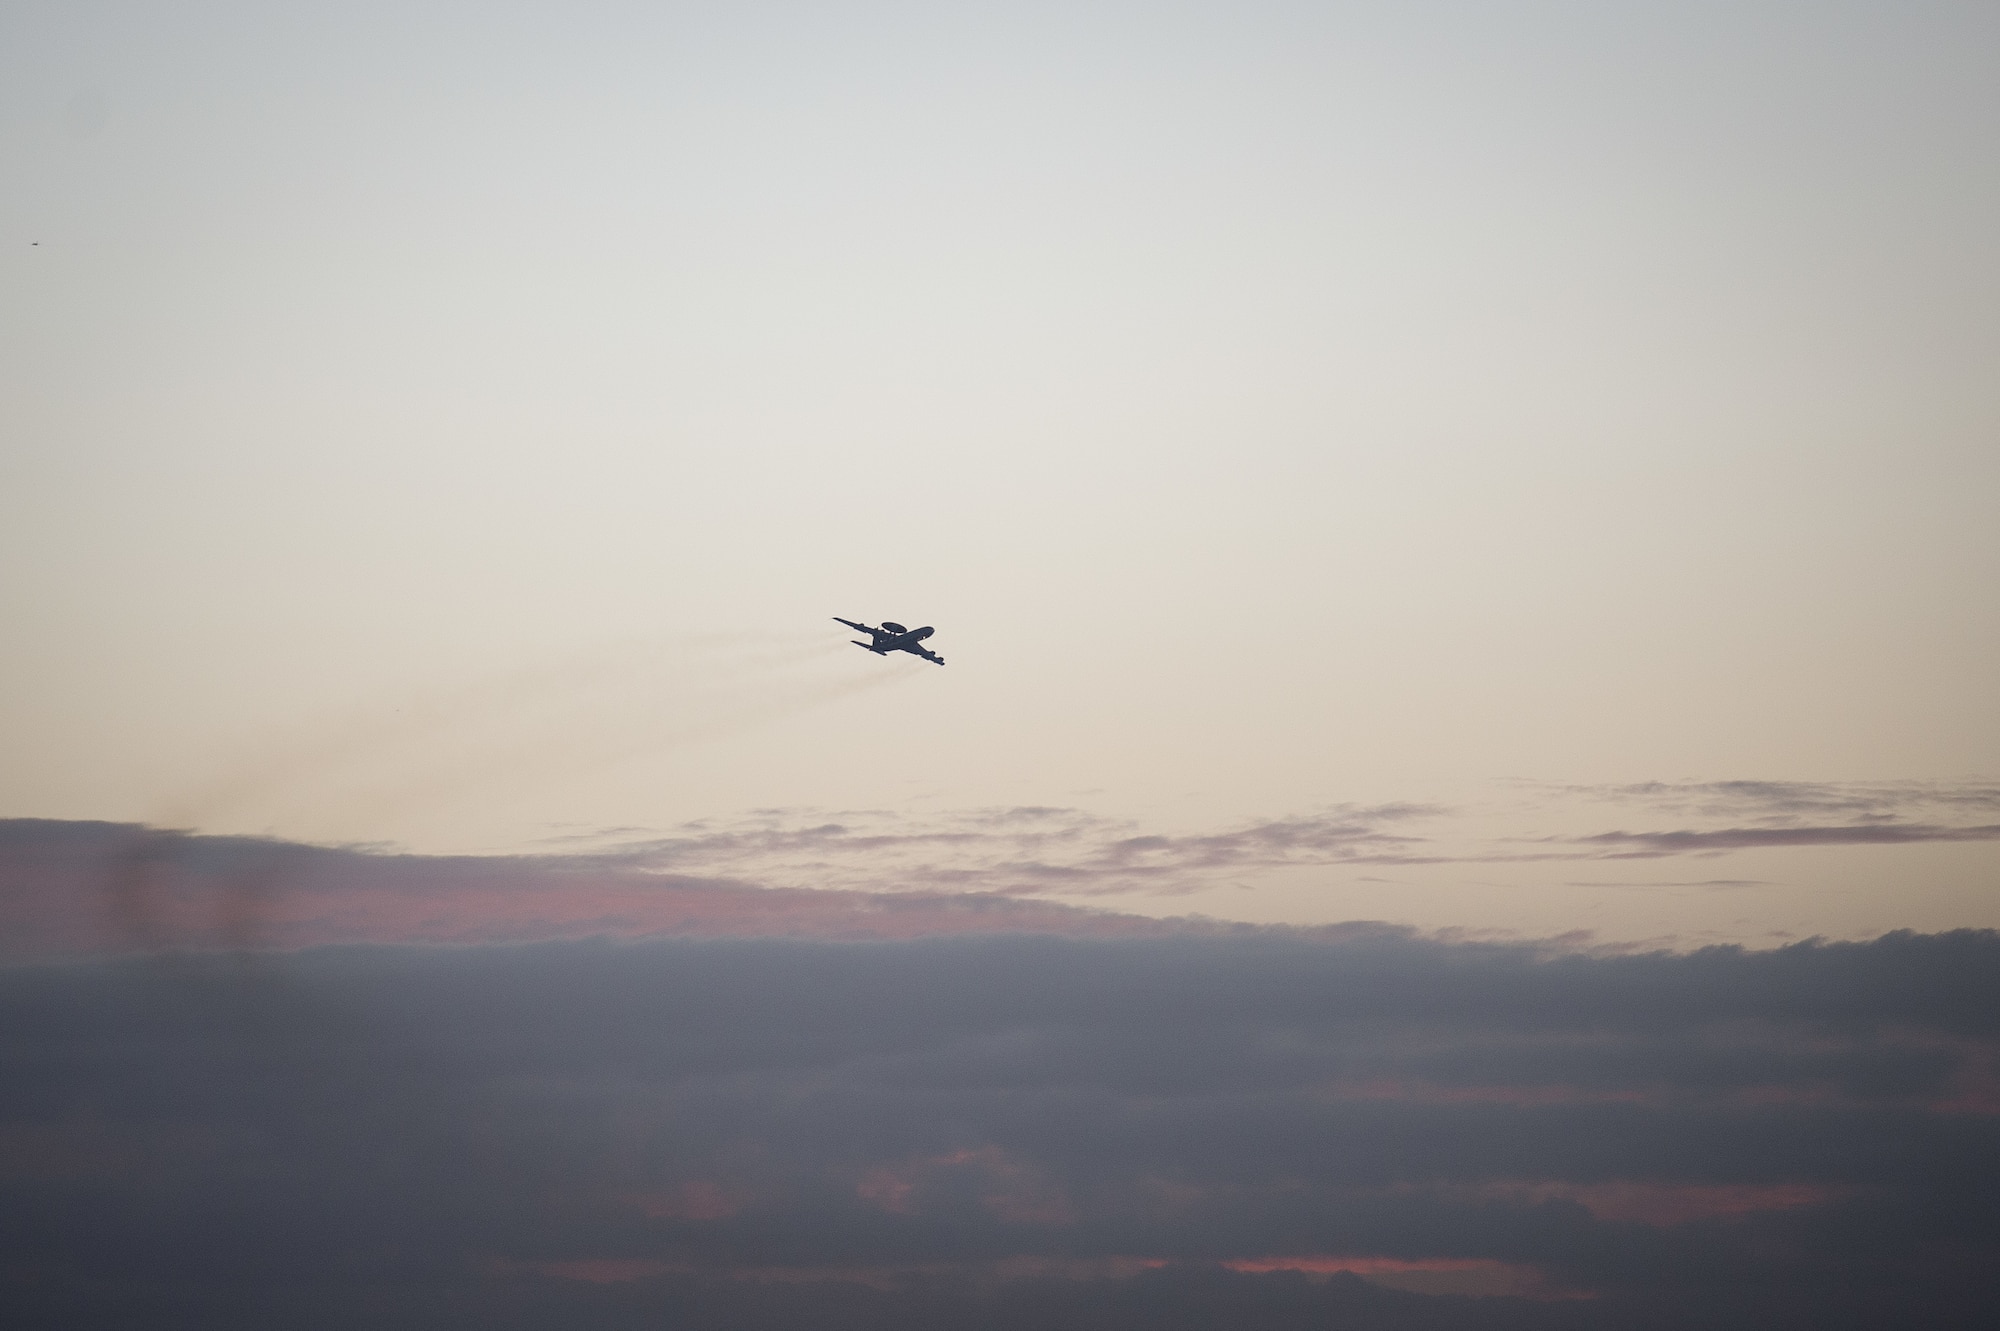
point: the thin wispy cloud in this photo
(1025, 849)
(1052, 850)
(1780, 801)
(1715, 883)
(1654, 845)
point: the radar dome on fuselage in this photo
(893, 627)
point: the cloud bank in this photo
(1268, 1128)
(246, 1082)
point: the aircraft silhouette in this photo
(894, 638)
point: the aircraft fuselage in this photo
(893, 637)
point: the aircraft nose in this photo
(923, 633)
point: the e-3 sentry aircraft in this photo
(894, 638)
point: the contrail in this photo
(508, 731)
(586, 735)
(444, 715)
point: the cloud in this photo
(1716, 884)
(1652, 845)
(1782, 801)
(1265, 1128)
(73, 888)
(1025, 849)
(70, 889)
(1070, 852)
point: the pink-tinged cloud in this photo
(70, 890)
(1477, 1276)
(1010, 1190)
(891, 1190)
(984, 1273)
(1975, 1086)
(601, 1270)
(1663, 1204)
(698, 1199)
(1413, 1091)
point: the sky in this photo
(423, 422)
(1410, 483)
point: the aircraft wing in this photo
(851, 624)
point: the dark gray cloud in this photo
(1264, 1129)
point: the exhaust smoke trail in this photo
(505, 734)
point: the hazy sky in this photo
(1463, 533)
(1494, 424)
